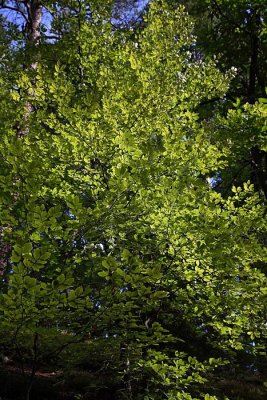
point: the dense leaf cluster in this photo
(133, 197)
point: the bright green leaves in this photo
(33, 300)
(34, 260)
(110, 208)
(21, 251)
(172, 377)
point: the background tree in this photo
(233, 34)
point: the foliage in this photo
(116, 232)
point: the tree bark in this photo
(33, 34)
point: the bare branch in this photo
(15, 9)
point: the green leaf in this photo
(26, 248)
(103, 274)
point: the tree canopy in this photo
(133, 193)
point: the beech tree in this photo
(112, 225)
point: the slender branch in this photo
(225, 16)
(16, 9)
(52, 37)
(238, 172)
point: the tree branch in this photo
(15, 9)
